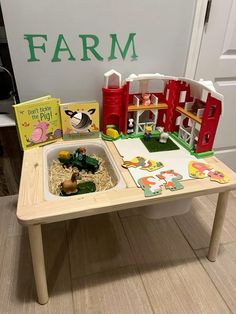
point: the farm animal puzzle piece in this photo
(172, 180)
(143, 163)
(218, 176)
(200, 170)
(152, 185)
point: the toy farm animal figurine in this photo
(69, 187)
(146, 99)
(163, 137)
(130, 126)
(80, 120)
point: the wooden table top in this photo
(33, 209)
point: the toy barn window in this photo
(212, 111)
(206, 138)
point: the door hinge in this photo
(208, 9)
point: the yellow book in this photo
(38, 121)
(80, 120)
(32, 101)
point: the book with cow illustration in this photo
(38, 121)
(80, 120)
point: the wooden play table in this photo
(33, 210)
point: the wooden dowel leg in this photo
(36, 245)
(218, 225)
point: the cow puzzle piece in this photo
(143, 163)
(171, 180)
(200, 170)
(152, 185)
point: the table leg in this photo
(36, 245)
(218, 225)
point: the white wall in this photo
(162, 27)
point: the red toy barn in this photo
(189, 108)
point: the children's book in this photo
(80, 120)
(38, 121)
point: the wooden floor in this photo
(122, 263)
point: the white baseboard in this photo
(228, 156)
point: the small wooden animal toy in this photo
(70, 186)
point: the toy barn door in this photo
(217, 62)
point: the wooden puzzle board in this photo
(177, 160)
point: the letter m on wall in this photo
(129, 44)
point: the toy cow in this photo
(130, 127)
(80, 120)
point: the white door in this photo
(217, 62)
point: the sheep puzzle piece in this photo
(152, 185)
(200, 170)
(143, 163)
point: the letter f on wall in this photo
(32, 46)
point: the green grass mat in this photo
(153, 145)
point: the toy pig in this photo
(146, 99)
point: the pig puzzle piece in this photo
(200, 170)
(152, 185)
(143, 163)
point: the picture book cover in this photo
(38, 121)
(80, 120)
